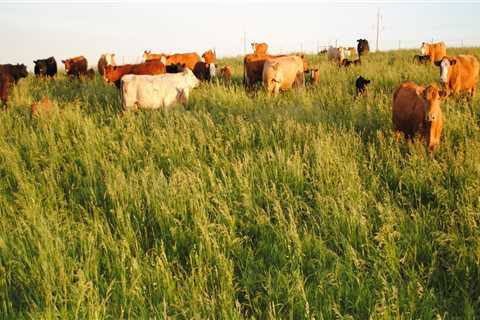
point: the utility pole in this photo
(378, 26)
(244, 42)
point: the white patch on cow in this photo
(423, 49)
(444, 65)
(163, 60)
(212, 70)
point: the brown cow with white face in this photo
(436, 51)
(416, 110)
(459, 73)
(106, 59)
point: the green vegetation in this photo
(242, 206)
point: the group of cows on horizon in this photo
(163, 80)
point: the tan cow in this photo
(436, 51)
(315, 76)
(283, 73)
(259, 48)
(39, 107)
(148, 55)
(253, 67)
(416, 110)
(336, 54)
(459, 73)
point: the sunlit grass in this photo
(239, 206)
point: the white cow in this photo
(153, 92)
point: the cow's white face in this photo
(444, 68)
(212, 70)
(109, 58)
(424, 49)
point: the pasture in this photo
(240, 206)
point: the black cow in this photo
(45, 67)
(348, 63)
(362, 47)
(421, 59)
(361, 85)
(175, 68)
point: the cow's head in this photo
(432, 96)
(273, 77)
(315, 76)
(111, 74)
(190, 78)
(110, 58)
(21, 71)
(68, 64)
(425, 49)
(445, 67)
(41, 66)
(209, 56)
(146, 54)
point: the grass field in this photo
(301, 206)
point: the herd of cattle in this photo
(162, 80)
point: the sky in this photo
(38, 29)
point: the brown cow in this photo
(148, 55)
(4, 86)
(315, 76)
(106, 59)
(253, 67)
(40, 107)
(459, 73)
(115, 73)
(226, 74)
(436, 51)
(259, 48)
(76, 67)
(416, 110)
(209, 56)
(204, 71)
(10, 75)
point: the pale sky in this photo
(38, 29)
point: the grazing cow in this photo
(153, 92)
(459, 73)
(361, 85)
(315, 76)
(209, 56)
(253, 67)
(76, 67)
(362, 47)
(115, 73)
(226, 74)
(416, 110)
(106, 59)
(259, 48)
(336, 54)
(436, 51)
(45, 67)
(421, 59)
(348, 63)
(189, 59)
(175, 68)
(40, 107)
(283, 73)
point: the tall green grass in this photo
(241, 206)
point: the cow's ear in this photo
(442, 94)
(35, 61)
(453, 61)
(438, 63)
(63, 61)
(302, 56)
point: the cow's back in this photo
(465, 74)
(408, 110)
(189, 59)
